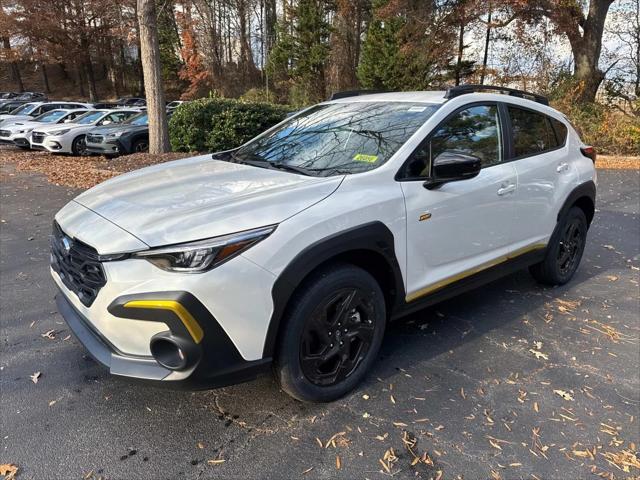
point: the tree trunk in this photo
(139, 68)
(45, 78)
(80, 79)
(91, 80)
(15, 70)
(150, 55)
(487, 40)
(460, 51)
(586, 48)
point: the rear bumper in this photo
(218, 363)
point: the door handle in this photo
(503, 190)
(562, 167)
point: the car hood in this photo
(6, 119)
(20, 125)
(198, 198)
(47, 127)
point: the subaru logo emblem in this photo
(66, 243)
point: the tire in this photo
(140, 145)
(321, 354)
(79, 147)
(564, 251)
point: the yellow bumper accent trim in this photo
(472, 271)
(182, 313)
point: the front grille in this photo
(37, 137)
(4, 133)
(91, 138)
(78, 266)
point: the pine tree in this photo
(380, 66)
(300, 55)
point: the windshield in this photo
(139, 119)
(51, 116)
(89, 117)
(338, 138)
(23, 109)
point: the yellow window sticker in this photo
(361, 157)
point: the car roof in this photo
(436, 96)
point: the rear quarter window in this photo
(561, 131)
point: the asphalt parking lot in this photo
(512, 380)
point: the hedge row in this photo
(215, 124)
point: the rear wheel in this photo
(79, 146)
(332, 334)
(564, 251)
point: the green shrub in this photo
(215, 124)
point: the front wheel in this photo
(564, 251)
(139, 146)
(79, 146)
(332, 334)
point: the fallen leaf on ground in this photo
(9, 470)
(539, 354)
(51, 334)
(34, 378)
(563, 394)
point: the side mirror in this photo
(451, 166)
(106, 122)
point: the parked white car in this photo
(293, 251)
(29, 111)
(19, 132)
(70, 137)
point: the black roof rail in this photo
(355, 93)
(453, 92)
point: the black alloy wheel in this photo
(570, 247)
(337, 337)
(331, 333)
(564, 250)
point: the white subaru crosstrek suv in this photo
(71, 137)
(295, 250)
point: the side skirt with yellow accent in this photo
(472, 278)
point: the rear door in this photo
(454, 229)
(545, 172)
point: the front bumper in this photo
(218, 363)
(105, 148)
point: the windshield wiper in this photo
(257, 161)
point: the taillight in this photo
(589, 152)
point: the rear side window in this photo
(532, 132)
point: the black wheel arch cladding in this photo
(584, 197)
(369, 246)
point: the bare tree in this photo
(150, 55)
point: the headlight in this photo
(203, 255)
(114, 134)
(59, 132)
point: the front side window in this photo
(139, 119)
(89, 118)
(472, 131)
(337, 138)
(74, 115)
(532, 132)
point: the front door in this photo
(460, 227)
